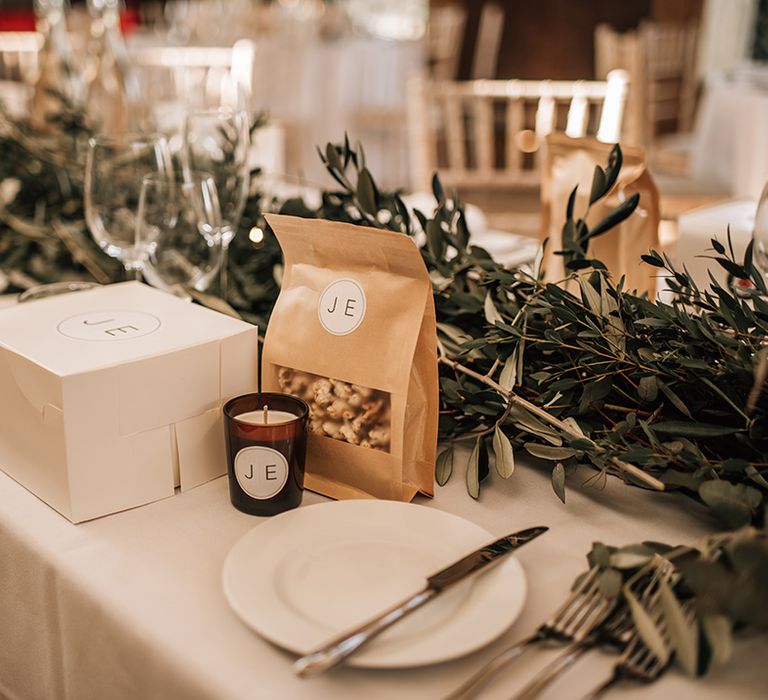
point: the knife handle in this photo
(338, 649)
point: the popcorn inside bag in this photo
(340, 410)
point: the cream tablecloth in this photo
(130, 606)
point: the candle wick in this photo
(266, 414)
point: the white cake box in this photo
(111, 397)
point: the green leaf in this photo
(646, 627)
(598, 185)
(674, 399)
(615, 161)
(366, 193)
(591, 297)
(624, 559)
(549, 452)
(756, 477)
(733, 504)
(733, 268)
(648, 389)
(717, 630)
(599, 556)
(682, 428)
(623, 211)
(610, 583)
(571, 202)
(505, 458)
(444, 466)
(360, 155)
(683, 636)
(508, 376)
(473, 475)
(491, 314)
(437, 188)
(332, 156)
(453, 333)
(653, 259)
(435, 240)
(558, 481)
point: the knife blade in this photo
(342, 647)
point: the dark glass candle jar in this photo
(266, 451)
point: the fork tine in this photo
(587, 585)
(580, 598)
(638, 662)
(636, 657)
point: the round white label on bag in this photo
(341, 308)
(261, 471)
(109, 325)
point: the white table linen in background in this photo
(315, 89)
(131, 605)
(730, 141)
(15, 97)
(319, 89)
(697, 228)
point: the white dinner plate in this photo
(302, 577)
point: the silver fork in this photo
(618, 630)
(638, 662)
(585, 609)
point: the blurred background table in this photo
(730, 142)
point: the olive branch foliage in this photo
(719, 587)
(600, 377)
(592, 378)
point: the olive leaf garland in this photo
(666, 396)
(605, 378)
(720, 588)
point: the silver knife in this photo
(340, 648)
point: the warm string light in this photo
(256, 235)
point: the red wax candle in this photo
(266, 437)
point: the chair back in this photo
(197, 76)
(488, 42)
(489, 133)
(445, 34)
(660, 59)
(19, 56)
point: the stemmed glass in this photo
(181, 228)
(760, 233)
(114, 171)
(217, 141)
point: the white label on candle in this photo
(341, 308)
(261, 471)
(109, 325)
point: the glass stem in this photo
(224, 272)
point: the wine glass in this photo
(180, 228)
(760, 233)
(114, 171)
(217, 141)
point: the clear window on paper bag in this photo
(340, 410)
